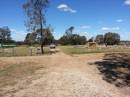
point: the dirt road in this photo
(64, 76)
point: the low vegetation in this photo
(10, 73)
(85, 50)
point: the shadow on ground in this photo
(115, 68)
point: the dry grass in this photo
(10, 73)
(85, 50)
(58, 73)
(122, 70)
(21, 51)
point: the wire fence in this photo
(22, 51)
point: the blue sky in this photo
(89, 17)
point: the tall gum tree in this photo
(35, 11)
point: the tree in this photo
(111, 38)
(35, 10)
(27, 38)
(69, 31)
(5, 35)
(72, 39)
(48, 37)
(78, 40)
(30, 38)
(99, 39)
(83, 40)
(91, 39)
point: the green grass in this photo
(84, 50)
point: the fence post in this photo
(13, 51)
(30, 51)
(3, 51)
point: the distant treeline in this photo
(69, 38)
(125, 42)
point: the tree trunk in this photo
(106, 44)
(42, 50)
(41, 27)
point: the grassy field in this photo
(21, 51)
(32, 51)
(85, 50)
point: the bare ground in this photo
(63, 76)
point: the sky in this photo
(89, 17)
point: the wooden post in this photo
(3, 51)
(13, 51)
(30, 51)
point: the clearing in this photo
(57, 75)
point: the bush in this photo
(73, 39)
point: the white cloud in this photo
(110, 28)
(105, 28)
(127, 2)
(85, 27)
(66, 8)
(119, 20)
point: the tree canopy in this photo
(99, 39)
(5, 35)
(111, 38)
(34, 37)
(72, 39)
(35, 11)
